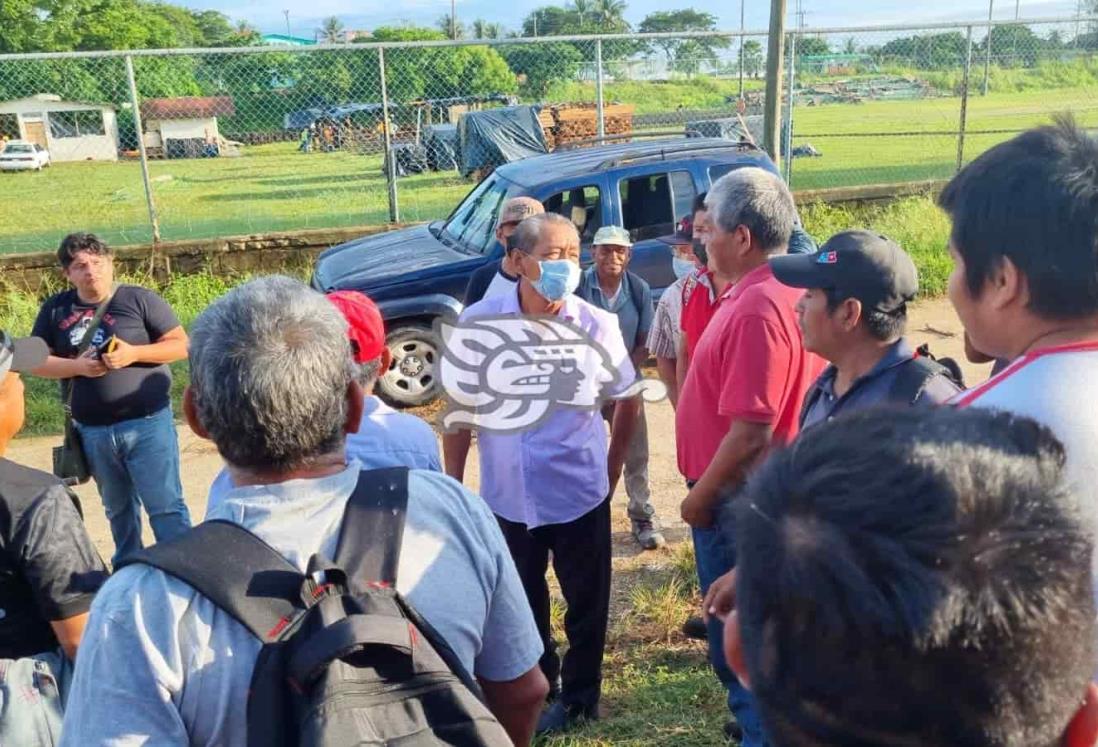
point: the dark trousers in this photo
(581, 560)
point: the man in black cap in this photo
(854, 313)
(49, 572)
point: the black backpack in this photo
(345, 659)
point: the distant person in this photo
(1025, 282)
(854, 313)
(550, 484)
(49, 572)
(385, 437)
(115, 371)
(745, 387)
(495, 278)
(665, 337)
(921, 579)
(609, 285)
(273, 387)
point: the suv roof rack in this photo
(574, 144)
(676, 149)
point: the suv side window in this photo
(651, 203)
(582, 206)
(473, 223)
(719, 170)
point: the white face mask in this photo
(682, 267)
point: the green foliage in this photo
(810, 46)
(539, 66)
(684, 54)
(1045, 75)
(930, 52)
(751, 52)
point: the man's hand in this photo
(89, 367)
(720, 600)
(697, 509)
(124, 355)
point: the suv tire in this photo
(412, 378)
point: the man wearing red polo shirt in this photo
(746, 382)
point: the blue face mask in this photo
(681, 267)
(559, 279)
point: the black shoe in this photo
(695, 628)
(559, 717)
(732, 730)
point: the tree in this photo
(486, 30)
(931, 52)
(443, 25)
(550, 20)
(538, 66)
(850, 46)
(1013, 46)
(331, 32)
(752, 54)
(442, 71)
(609, 13)
(683, 53)
(812, 46)
(214, 26)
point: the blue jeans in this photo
(33, 692)
(134, 463)
(715, 556)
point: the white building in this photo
(69, 130)
(184, 127)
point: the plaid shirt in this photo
(663, 338)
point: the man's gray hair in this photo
(366, 374)
(270, 365)
(528, 233)
(757, 199)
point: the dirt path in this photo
(932, 321)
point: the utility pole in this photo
(287, 14)
(453, 20)
(742, 40)
(775, 53)
(1017, 9)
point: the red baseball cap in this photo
(367, 330)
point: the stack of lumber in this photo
(566, 123)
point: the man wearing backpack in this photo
(272, 385)
(853, 313)
(610, 286)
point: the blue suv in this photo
(418, 274)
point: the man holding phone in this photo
(111, 345)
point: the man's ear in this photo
(1006, 285)
(743, 239)
(1083, 729)
(386, 360)
(355, 406)
(733, 649)
(190, 414)
(850, 313)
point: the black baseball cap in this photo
(854, 264)
(21, 354)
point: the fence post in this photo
(742, 40)
(390, 162)
(787, 141)
(964, 102)
(987, 43)
(599, 112)
(153, 220)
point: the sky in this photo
(306, 15)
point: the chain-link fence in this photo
(186, 144)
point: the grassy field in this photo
(273, 187)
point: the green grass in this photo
(273, 187)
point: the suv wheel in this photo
(412, 378)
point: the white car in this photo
(19, 155)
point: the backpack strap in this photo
(373, 527)
(234, 569)
(913, 377)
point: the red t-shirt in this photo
(697, 309)
(750, 364)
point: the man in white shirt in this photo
(272, 385)
(1025, 282)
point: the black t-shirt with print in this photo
(49, 569)
(135, 315)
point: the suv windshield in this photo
(473, 224)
